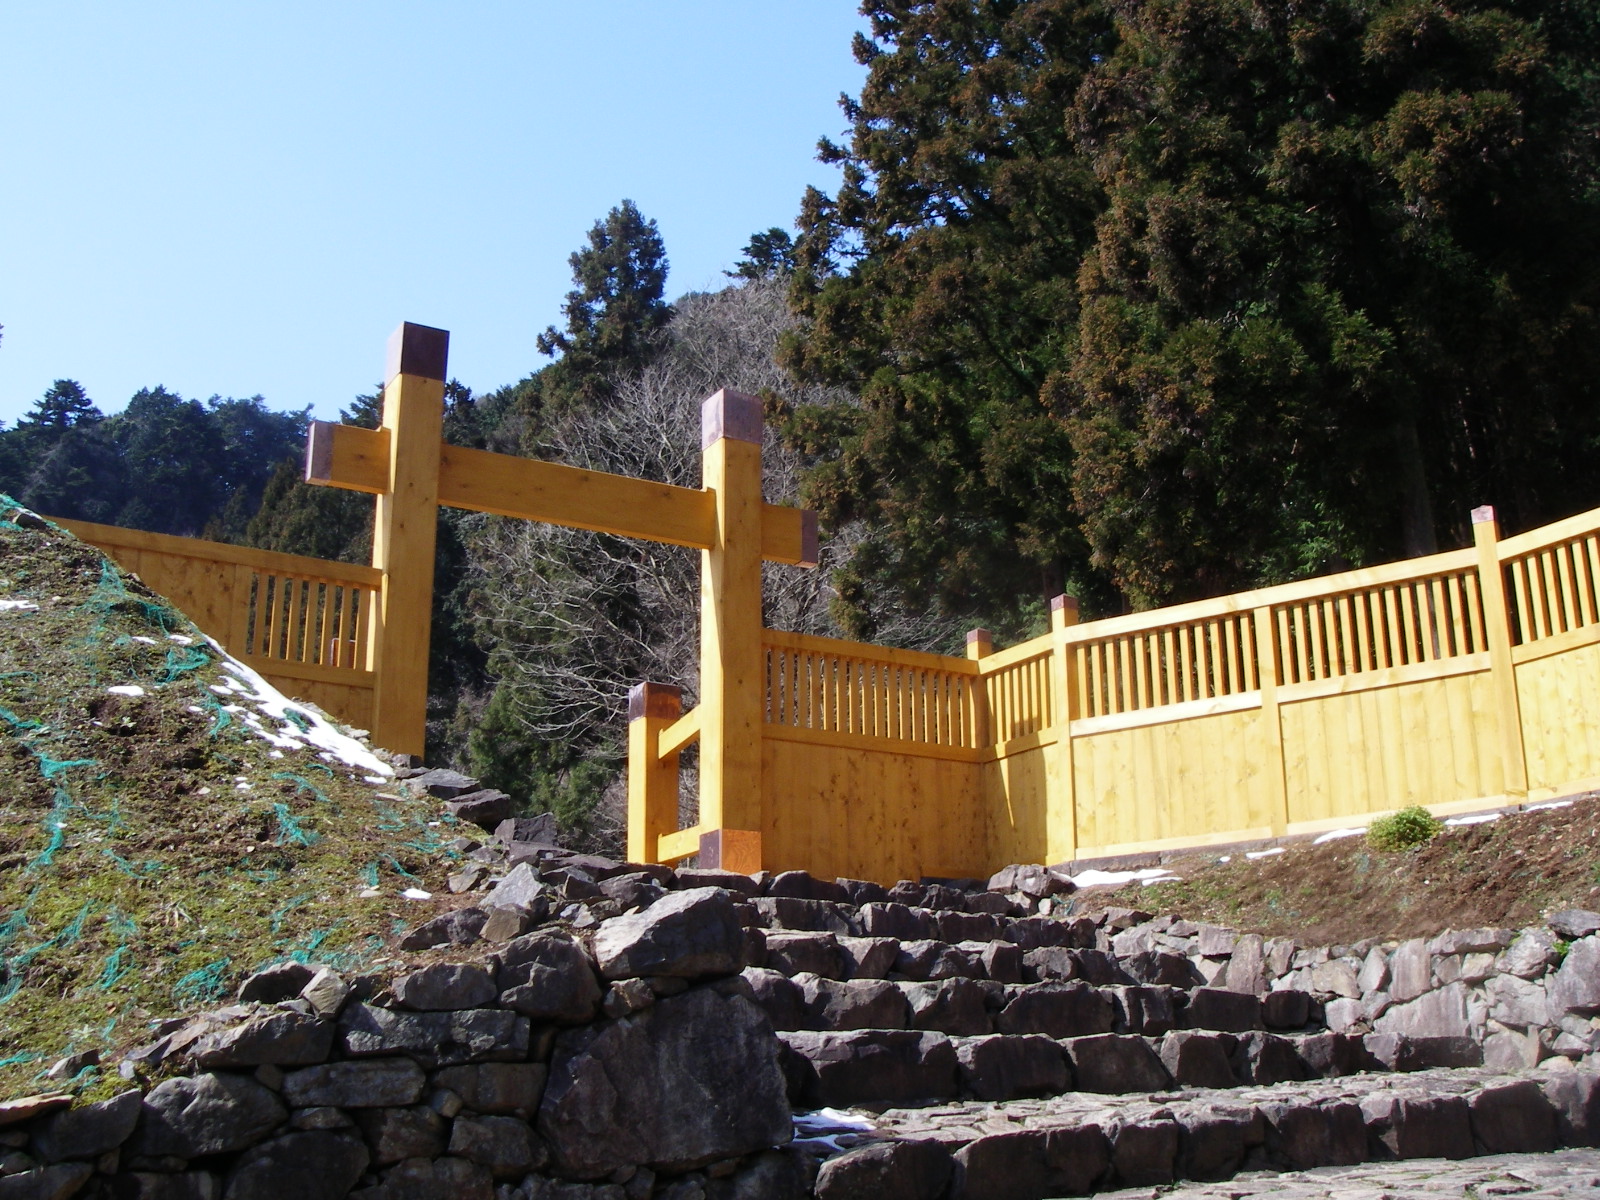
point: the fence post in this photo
(1271, 751)
(652, 780)
(732, 681)
(1497, 629)
(403, 536)
(980, 644)
(1061, 793)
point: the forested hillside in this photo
(1160, 300)
(1140, 302)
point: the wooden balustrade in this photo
(304, 623)
(828, 686)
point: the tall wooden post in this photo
(1061, 790)
(1269, 755)
(652, 780)
(732, 684)
(980, 644)
(404, 532)
(1497, 628)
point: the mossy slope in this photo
(162, 831)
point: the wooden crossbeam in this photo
(347, 456)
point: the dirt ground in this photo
(1508, 872)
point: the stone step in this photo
(910, 1066)
(1559, 1175)
(1078, 1143)
(1058, 1008)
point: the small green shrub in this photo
(1402, 830)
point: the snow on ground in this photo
(826, 1126)
(1112, 878)
(298, 725)
(1333, 835)
(126, 689)
(18, 606)
(1255, 854)
(1477, 819)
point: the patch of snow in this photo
(826, 1126)
(417, 894)
(1167, 878)
(1111, 878)
(373, 779)
(1479, 819)
(18, 606)
(274, 753)
(1333, 835)
(1226, 858)
(1252, 855)
(126, 689)
(319, 733)
(1549, 804)
(145, 640)
(195, 708)
(181, 639)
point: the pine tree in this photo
(616, 310)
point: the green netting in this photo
(182, 660)
(290, 830)
(302, 784)
(203, 986)
(16, 965)
(281, 914)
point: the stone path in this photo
(1567, 1174)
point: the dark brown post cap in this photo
(730, 414)
(418, 350)
(979, 637)
(1063, 604)
(810, 546)
(662, 701)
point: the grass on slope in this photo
(161, 834)
(1507, 873)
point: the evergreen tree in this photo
(1194, 294)
(616, 310)
(63, 406)
(766, 254)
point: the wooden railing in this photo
(304, 623)
(1458, 681)
(826, 686)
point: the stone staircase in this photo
(1007, 1055)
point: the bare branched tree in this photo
(574, 618)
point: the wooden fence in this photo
(303, 623)
(1459, 681)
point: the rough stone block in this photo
(1144, 1150)
(198, 1115)
(88, 1131)
(952, 1006)
(378, 1083)
(446, 987)
(395, 1134)
(908, 1170)
(505, 1145)
(702, 1084)
(1575, 1096)
(1408, 1124)
(1115, 1063)
(434, 1039)
(1011, 1067)
(779, 997)
(1222, 1010)
(1213, 1139)
(690, 934)
(868, 957)
(1149, 1011)
(1031, 1163)
(1267, 1058)
(1059, 1010)
(1513, 1118)
(548, 976)
(498, 1088)
(876, 1066)
(1302, 1134)
(816, 953)
(1286, 1009)
(1196, 1059)
(852, 1004)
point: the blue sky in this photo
(246, 198)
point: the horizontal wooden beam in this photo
(346, 456)
(271, 562)
(673, 846)
(680, 733)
